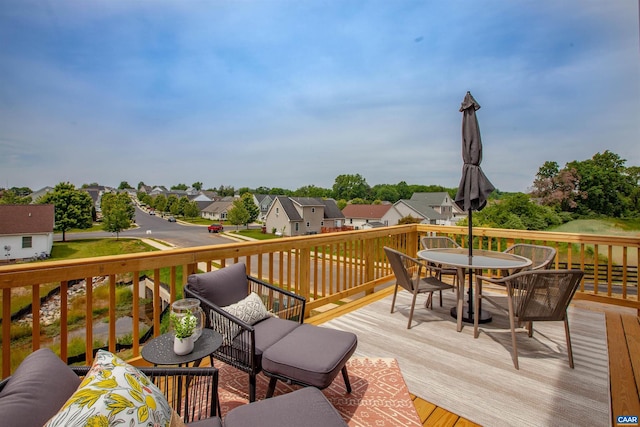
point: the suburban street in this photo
(156, 227)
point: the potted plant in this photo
(184, 326)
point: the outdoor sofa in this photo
(44, 390)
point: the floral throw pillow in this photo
(114, 393)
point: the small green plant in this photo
(183, 325)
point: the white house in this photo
(26, 231)
(365, 216)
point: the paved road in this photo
(156, 227)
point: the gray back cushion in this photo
(37, 390)
(222, 287)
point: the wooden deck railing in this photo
(325, 268)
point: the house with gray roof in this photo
(296, 216)
(217, 211)
(263, 201)
(26, 231)
(430, 208)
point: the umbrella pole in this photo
(470, 293)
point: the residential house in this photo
(26, 231)
(217, 211)
(39, 193)
(295, 216)
(365, 216)
(429, 208)
(263, 201)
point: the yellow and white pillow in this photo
(114, 393)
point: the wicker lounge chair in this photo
(244, 341)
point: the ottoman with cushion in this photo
(310, 356)
(306, 407)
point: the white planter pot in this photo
(182, 346)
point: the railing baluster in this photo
(64, 329)
(35, 314)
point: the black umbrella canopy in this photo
(474, 188)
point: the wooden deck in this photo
(618, 379)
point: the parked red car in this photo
(215, 228)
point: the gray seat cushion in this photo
(208, 422)
(305, 407)
(37, 390)
(222, 287)
(271, 330)
(310, 355)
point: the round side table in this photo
(159, 350)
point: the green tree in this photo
(350, 187)
(386, 192)
(359, 201)
(409, 220)
(117, 212)
(72, 207)
(252, 209)
(238, 214)
(172, 204)
(124, 185)
(179, 187)
(12, 197)
(312, 191)
(183, 202)
(191, 210)
(197, 185)
(140, 185)
(226, 191)
(160, 203)
(607, 186)
(516, 211)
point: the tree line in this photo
(602, 186)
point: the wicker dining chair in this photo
(541, 256)
(437, 242)
(409, 275)
(534, 295)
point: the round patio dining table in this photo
(480, 260)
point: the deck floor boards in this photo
(474, 379)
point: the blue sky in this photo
(281, 93)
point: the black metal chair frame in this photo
(239, 349)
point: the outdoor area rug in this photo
(379, 396)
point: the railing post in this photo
(304, 276)
(370, 262)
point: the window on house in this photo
(297, 224)
(321, 223)
(313, 210)
(27, 242)
(308, 224)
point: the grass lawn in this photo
(612, 226)
(89, 248)
(254, 234)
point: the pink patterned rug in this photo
(379, 396)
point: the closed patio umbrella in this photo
(474, 186)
